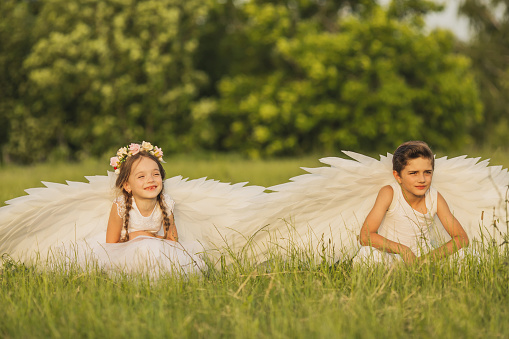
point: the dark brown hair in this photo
(123, 177)
(411, 150)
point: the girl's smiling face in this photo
(145, 180)
(415, 178)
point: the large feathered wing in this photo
(32, 225)
(48, 216)
(476, 194)
(211, 211)
(322, 212)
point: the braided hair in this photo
(123, 177)
(166, 218)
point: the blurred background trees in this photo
(489, 51)
(258, 77)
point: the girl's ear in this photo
(396, 176)
(127, 187)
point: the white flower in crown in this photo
(122, 152)
(146, 146)
(125, 152)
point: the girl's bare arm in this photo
(369, 235)
(172, 232)
(459, 237)
(114, 226)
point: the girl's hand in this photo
(170, 237)
(408, 256)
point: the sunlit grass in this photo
(294, 299)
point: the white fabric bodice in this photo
(137, 222)
(407, 226)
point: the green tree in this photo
(373, 82)
(239, 37)
(15, 44)
(489, 50)
(102, 72)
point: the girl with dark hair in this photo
(387, 209)
(398, 226)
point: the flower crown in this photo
(125, 152)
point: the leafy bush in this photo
(372, 84)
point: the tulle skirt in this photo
(142, 255)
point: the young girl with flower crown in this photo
(142, 208)
(143, 212)
(143, 231)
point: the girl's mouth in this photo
(150, 188)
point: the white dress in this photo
(404, 225)
(143, 254)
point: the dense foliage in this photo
(488, 49)
(261, 77)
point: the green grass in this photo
(294, 299)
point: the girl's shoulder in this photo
(391, 195)
(387, 189)
(120, 202)
(168, 202)
(386, 192)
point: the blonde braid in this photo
(166, 219)
(128, 206)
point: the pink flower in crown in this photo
(134, 148)
(158, 152)
(146, 146)
(114, 162)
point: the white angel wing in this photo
(323, 210)
(476, 194)
(210, 211)
(30, 225)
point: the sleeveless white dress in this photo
(143, 254)
(404, 225)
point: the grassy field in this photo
(295, 299)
